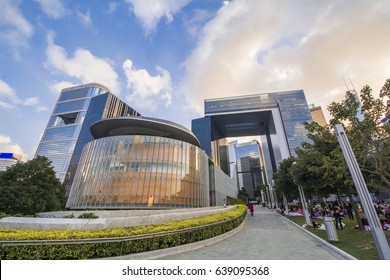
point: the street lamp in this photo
(379, 237)
(304, 203)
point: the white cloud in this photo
(265, 46)
(83, 65)
(6, 146)
(194, 24)
(4, 139)
(112, 7)
(147, 90)
(150, 12)
(9, 98)
(15, 28)
(58, 86)
(85, 19)
(52, 8)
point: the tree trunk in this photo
(356, 210)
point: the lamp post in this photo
(262, 197)
(304, 203)
(271, 196)
(274, 198)
(268, 197)
(379, 237)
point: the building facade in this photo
(67, 131)
(277, 118)
(8, 159)
(249, 166)
(138, 162)
(318, 115)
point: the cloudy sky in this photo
(164, 57)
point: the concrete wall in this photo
(107, 219)
(224, 186)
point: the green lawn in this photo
(359, 244)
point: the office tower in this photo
(250, 166)
(277, 118)
(68, 131)
(317, 115)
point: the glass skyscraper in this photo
(67, 131)
(277, 117)
(249, 166)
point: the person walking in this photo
(350, 211)
(337, 217)
(251, 208)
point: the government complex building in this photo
(111, 157)
(277, 118)
(68, 129)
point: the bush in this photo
(88, 215)
(217, 224)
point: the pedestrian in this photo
(337, 217)
(251, 208)
(350, 211)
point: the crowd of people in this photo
(340, 211)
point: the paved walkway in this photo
(265, 236)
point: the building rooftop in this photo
(142, 126)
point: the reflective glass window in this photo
(70, 106)
(74, 94)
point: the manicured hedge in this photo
(200, 229)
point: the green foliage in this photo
(218, 224)
(369, 138)
(320, 167)
(243, 195)
(31, 187)
(89, 215)
(283, 181)
(71, 216)
(2, 215)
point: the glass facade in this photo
(250, 166)
(68, 128)
(61, 134)
(293, 107)
(138, 171)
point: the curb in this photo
(152, 255)
(322, 241)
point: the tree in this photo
(369, 137)
(31, 187)
(283, 182)
(243, 195)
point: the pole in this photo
(272, 197)
(262, 197)
(304, 205)
(285, 205)
(376, 230)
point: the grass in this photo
(359, 244)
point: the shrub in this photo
(197, 229)
(88, 215)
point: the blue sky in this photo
(164, 57)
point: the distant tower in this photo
(352, 90)
(317, 115)
(249, 166)
(68, 131)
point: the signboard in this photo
(6, 155)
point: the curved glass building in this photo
(137, 162)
